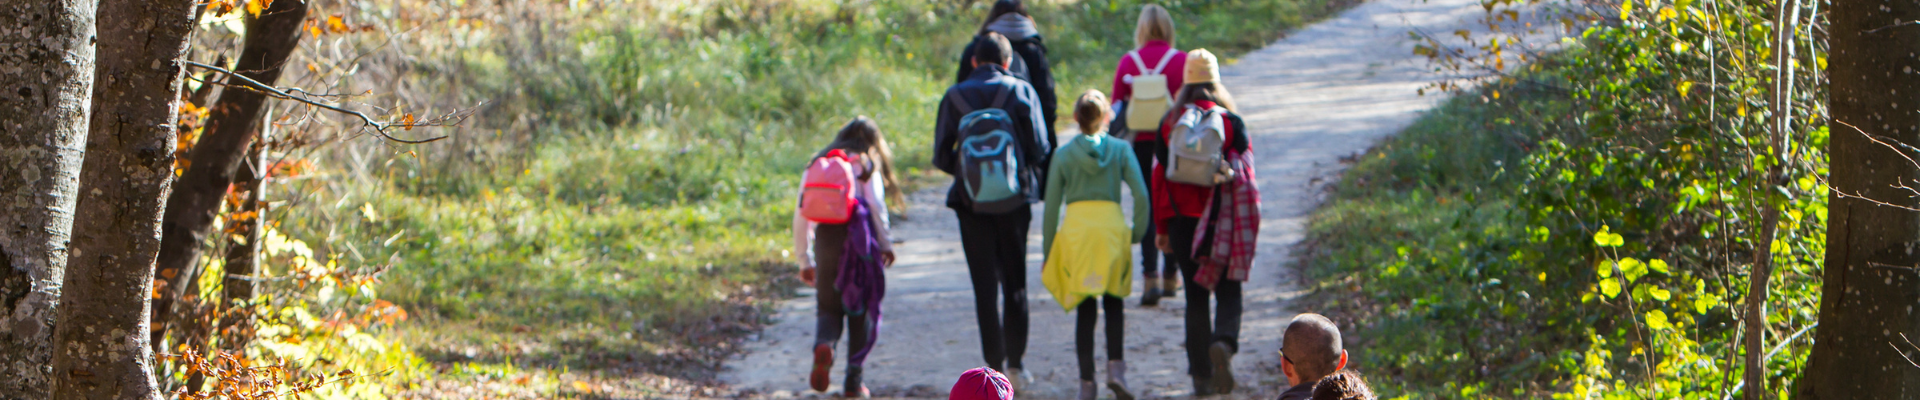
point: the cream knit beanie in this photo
(1202, 67)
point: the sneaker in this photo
(1018, 379)
(822, 367)
(1222, 357)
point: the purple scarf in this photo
(862, 281)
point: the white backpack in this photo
(1150, 100)
(1194, 147)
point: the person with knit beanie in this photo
(981, 384)
(1181, 210)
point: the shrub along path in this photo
(1322, 93)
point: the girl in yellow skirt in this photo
(1089, 264)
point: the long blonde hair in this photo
(862, 136)
(1155, 24)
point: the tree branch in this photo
(380, 128)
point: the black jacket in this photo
(1033, 51)
(1032, 132)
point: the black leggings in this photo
(831, 317)
(996, 249)
(1204, 328)
(1083, 331)
(1151, 265)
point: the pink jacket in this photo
(1123, 73)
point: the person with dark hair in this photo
(991, 137)
(1206, 215)
(1343, 385)
(842, 241)
(1153, 71)
(1309, 351)
(1086, 236)
(1009, 18)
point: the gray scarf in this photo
(1014, 26)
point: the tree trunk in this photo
(46, 89)
(231, 128)
(1869, 282)
(100, 344)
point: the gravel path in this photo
(1324, 92)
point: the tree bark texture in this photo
(46, 88)
(232, 126)
(100, 344)
(1870, 284)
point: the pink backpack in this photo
(827, 190)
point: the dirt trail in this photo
(1324, 92)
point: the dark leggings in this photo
(996, 249)
(1204, 328)
(1083, 331)
(1151, 265)
(831, 317)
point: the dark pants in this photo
(996, 248)
(828, 243)
(1089, 314)
(1204, 328)
(1150, 258)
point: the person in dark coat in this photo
(995, 243)
(1009, 18)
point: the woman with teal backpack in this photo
(842, 242)
(1089, 267)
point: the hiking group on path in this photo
(1171, 136)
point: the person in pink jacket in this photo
(1153, 47)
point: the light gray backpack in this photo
(1194, 146)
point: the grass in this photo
(622, 201)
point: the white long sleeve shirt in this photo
(873, 191)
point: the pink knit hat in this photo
(982, 384)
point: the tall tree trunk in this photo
(46, 88)
(231, 129)
(1869, 282)
(100, 344)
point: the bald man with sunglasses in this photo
(1309, 350)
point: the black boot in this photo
(854, 388)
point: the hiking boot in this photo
(1170, 286)
(1222, 356)
(1152, 296)
(854, 389)
(1117, 380)
(822, 366)
(1202, 386)
(1088, 391)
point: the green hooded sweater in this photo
(1092, 167)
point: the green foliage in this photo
(1601, 247)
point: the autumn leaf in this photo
(337, 25)
(254, 7)
(406, 121)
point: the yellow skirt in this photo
(1091, 255)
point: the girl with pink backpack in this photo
(842, 243)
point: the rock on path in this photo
(1324, 92)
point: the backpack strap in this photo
(1164, 59)
(1000, 100)
(953, 96)
(1135, 55)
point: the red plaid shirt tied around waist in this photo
(1235, 224)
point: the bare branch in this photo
(380, 128)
